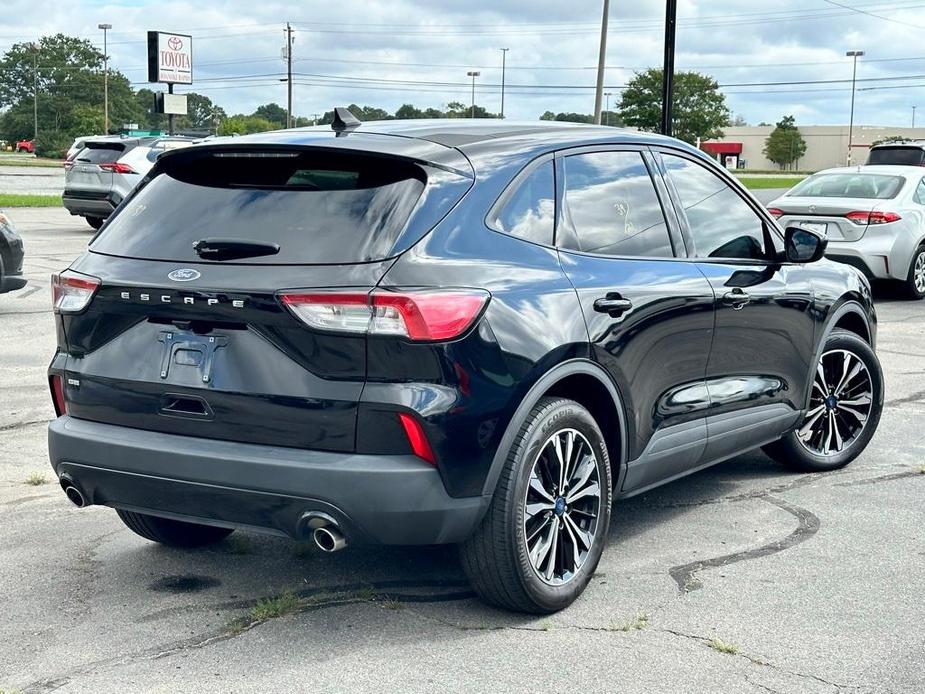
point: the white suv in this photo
(101, 173)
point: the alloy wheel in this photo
(918, 273)
(561, 506)
(840, 404)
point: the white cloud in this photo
(339, 45)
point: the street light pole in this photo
(288, 75)
(607, 95)
(105, 28)
(671, 14)
(473, 74)
(601, 57)
(503, 66)
(854, 74)
(913, 115)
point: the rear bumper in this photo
(879, 254)
(90, 203)
(376, 499)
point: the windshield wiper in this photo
(233, 249)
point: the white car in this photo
(105, 169)
(873, 217)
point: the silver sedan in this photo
(873, 216)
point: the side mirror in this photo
(803, 245)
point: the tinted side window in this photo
(530, 212)
(722, 224)
(611, 206)
(920, 192)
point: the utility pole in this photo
(671, 15)
(288, 75)
(599, 90)
(473, 74)
(607, 108)
(35, 91)
(913, 115)
(105, 28)
(854, 74)
(503, 66)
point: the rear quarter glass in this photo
(320, 207)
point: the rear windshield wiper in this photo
(232, 249)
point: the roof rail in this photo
(344, 121)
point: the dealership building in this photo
(826, 145)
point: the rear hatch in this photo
(837, 205)
(901, 155)
(200, 342)
(85, 178)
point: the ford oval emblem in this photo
(184, 275)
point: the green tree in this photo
(67, 75)
(699, 108)
(240, 124)
(408, 111)
(785, 145)
(272, 112)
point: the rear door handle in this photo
(614, 304)
(736, 298)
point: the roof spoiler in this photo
(344, 121)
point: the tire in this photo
(95, 222)
(171, 532)
(915, 282)
(497, 557)
(842, 351)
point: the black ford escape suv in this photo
(446, 332)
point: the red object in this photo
(70, 293)
(416, 437)
(776, 213)
(57, 395)
(420, 316)
(722, 147)
(26, 146)
(116, 167)
(861, 217)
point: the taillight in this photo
(776, 213)
(862, 218)
(415, 433)
(427, 316)
(117, 167)
(57, 395)
(71, 292)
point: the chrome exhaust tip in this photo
(75, 495)
(329, 539)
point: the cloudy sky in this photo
(773, 57)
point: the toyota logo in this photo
(174, 43)
(184, 275)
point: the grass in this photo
(392, 604)
(770, 182)
(14, 160)
(36, 479)
(640, 621)
(279, 606)
(240, 544)
(723, 647)
(24, 200)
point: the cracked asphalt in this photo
(813, 583)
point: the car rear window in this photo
(97, 153)
(319, 207)
(901, 156)
(849, 185)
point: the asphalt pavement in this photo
(741, 578)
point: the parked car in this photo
(418, 332)
(26, 146)
(11, 256)
(873, 217)
(898, 153)
(101, 173)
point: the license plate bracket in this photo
(186, 349)
(818, 227)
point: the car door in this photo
(649, 315)
(763, 338)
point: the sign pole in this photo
(170, 115)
